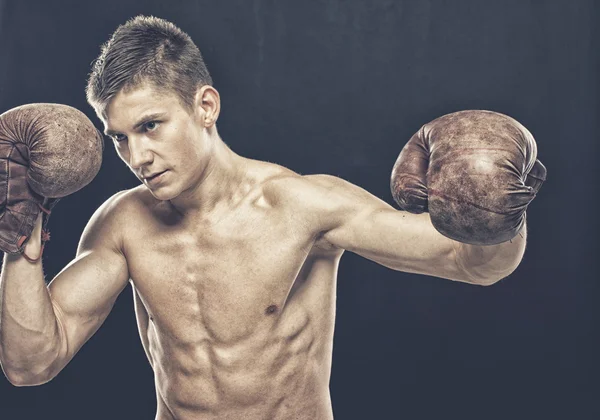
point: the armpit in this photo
(324, 247)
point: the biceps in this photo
(83, 295)
(401, 241)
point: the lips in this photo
(151, 177)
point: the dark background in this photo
(338, 87)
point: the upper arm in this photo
(355, 220)
(84, 292)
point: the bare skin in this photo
(233, 265)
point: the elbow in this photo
(488, 281)
(22, 378)
(22, 374)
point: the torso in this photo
(236, 312)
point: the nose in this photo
(139, 153)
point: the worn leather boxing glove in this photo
(48, 151)
(475, 172)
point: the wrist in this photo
(488, 264)
(34, 244)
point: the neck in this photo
(222, 183)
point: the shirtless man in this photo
(232, 261)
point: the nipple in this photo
(271, 309)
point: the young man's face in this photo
(163, 143)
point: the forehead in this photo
(128, 105)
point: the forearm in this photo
(29, 334)
(488, 264)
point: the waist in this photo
(298, 389)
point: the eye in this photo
(118, 137)
(151, 125)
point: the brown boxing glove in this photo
(475, 172)
(48, 151)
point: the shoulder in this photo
(323, 201)
(291, 189)
(122, 205)
(110, 221)
(315, 192)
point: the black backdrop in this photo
(338, 87)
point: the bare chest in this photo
(228, 277)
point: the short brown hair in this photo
(147, 49)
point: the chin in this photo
(163, 194)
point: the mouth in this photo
(154, 177)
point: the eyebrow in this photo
(141, 121)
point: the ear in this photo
(207, 103)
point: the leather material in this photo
(475, 172)
(46, 151)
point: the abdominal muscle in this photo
(227, 364)
(269, 375)
(266, 376)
